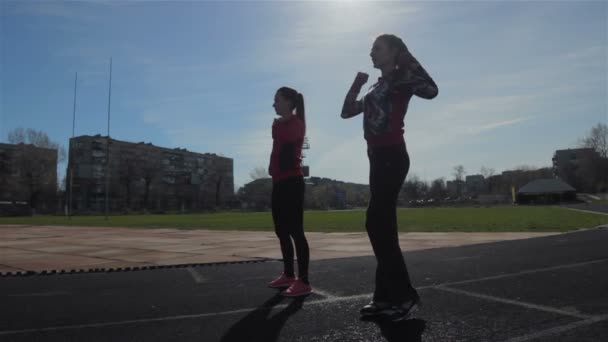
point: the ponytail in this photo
(296, 99)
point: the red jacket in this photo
(384, 109)
(286, 157)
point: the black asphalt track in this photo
(542, 289)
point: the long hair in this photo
(396, 43)
(296, 99)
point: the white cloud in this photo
(346, 161)
(499, 124)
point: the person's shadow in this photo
(258, 327)
(409, 330)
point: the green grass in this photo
(494, 219)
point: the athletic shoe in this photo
(297, 289)
(282, 281)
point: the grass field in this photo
(495, 219)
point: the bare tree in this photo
(222, 169)
(258, 173)
(438, 189)
(414, 188)
(150, 168)
(37, 182)
(597, 138)
(486, 172)
(36, 138)
(128, 174)
(17, 136)
(459, 172)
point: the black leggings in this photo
(388, 167)
(288, 217)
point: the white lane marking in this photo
(587, 211)
(198, 278)
(132, 321)
(193, 316)
(321, 301)
(180, 317)
(532, 271)
(514, 302)
(558, 330)
(323, 292)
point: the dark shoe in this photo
(375, 309)
(392, 312)
(404, 310)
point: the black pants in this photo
(388, 168)
(288, 217)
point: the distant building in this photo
(28, 174)
(475, 185)
(518, 178)
(256, 195)
(576, 167)
(455, 188)
(565, 158)
(141, 175)
(513, 174)
(546, 191)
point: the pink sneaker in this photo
(298, 288)
(282, 281)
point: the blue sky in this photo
(517, 80)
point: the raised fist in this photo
(359, 81)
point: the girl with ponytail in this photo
(384, 107)
(288, 190)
